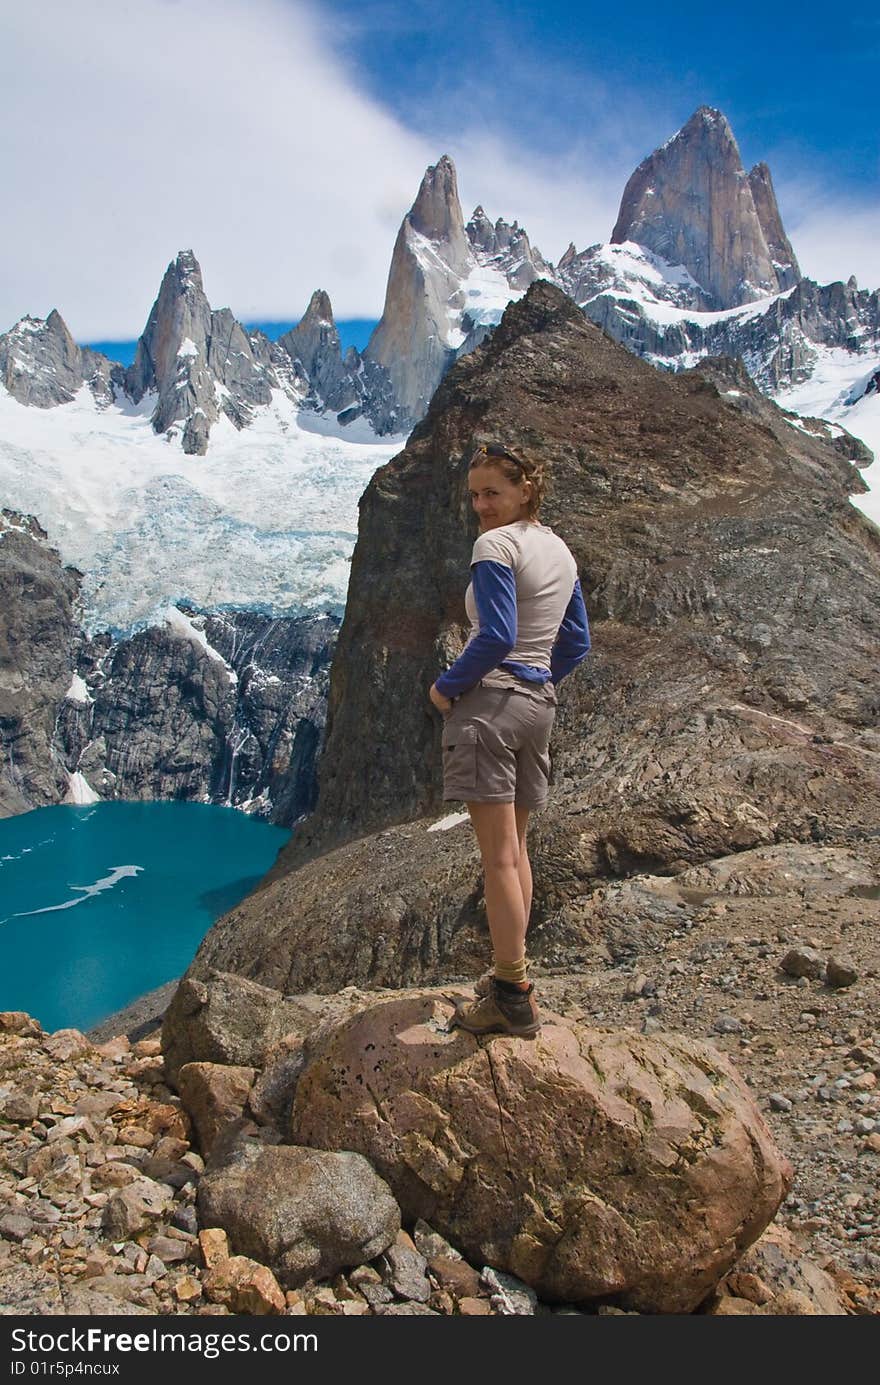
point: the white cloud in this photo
(832, 234)
(557, 200)
(834, 241)
(135, 130)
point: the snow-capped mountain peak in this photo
(691, 203)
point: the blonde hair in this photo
(516, 467)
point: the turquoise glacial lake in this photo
(102, 902)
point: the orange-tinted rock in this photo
(214, 1095)
(586, 1163)
(244, 1286)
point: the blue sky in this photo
(284, 140)
(800, 90)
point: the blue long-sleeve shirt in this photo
(494, 589)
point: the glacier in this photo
(266, 520)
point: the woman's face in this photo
(496, 500)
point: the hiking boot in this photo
(484, 985)
(500, 1012)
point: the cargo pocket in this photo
(459, 760)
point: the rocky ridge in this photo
(707, 528)
(41, 365)
(781, 344)
(694, 233)
(194, 364)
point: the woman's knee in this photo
(502, 858)
(497, 836)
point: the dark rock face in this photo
(691, 202)
(238, 723)
(226, 708)
(730, 700)
(41, 364)
(37, 648)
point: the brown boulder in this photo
(214, 1245)
(587, 1163)
(215, 1096)
(225, 1018)
(803, 961)
(840, 973)
(456, 1276)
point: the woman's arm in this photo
(494, 586)
(572, 643)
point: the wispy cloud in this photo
(835, 242)
(832, 235)
(247, 131)
(557, 199)
(133, 131)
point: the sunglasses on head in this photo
(493, 449)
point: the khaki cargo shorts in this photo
(496, 745)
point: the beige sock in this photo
(516, 972)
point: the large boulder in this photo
(223, 1019)
(303, 1212)
(592, 1165)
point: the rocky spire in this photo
(480, 231)
(41, 364)
(507, 248)
(315, 343)
(787, 269)
(692, 203)
(187, 350)
(180, 313)
(172, 353)
(436, 213)
(414, 341)
(570, 254)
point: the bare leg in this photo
(496, 827)
(525, 867)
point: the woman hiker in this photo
(528, 630)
